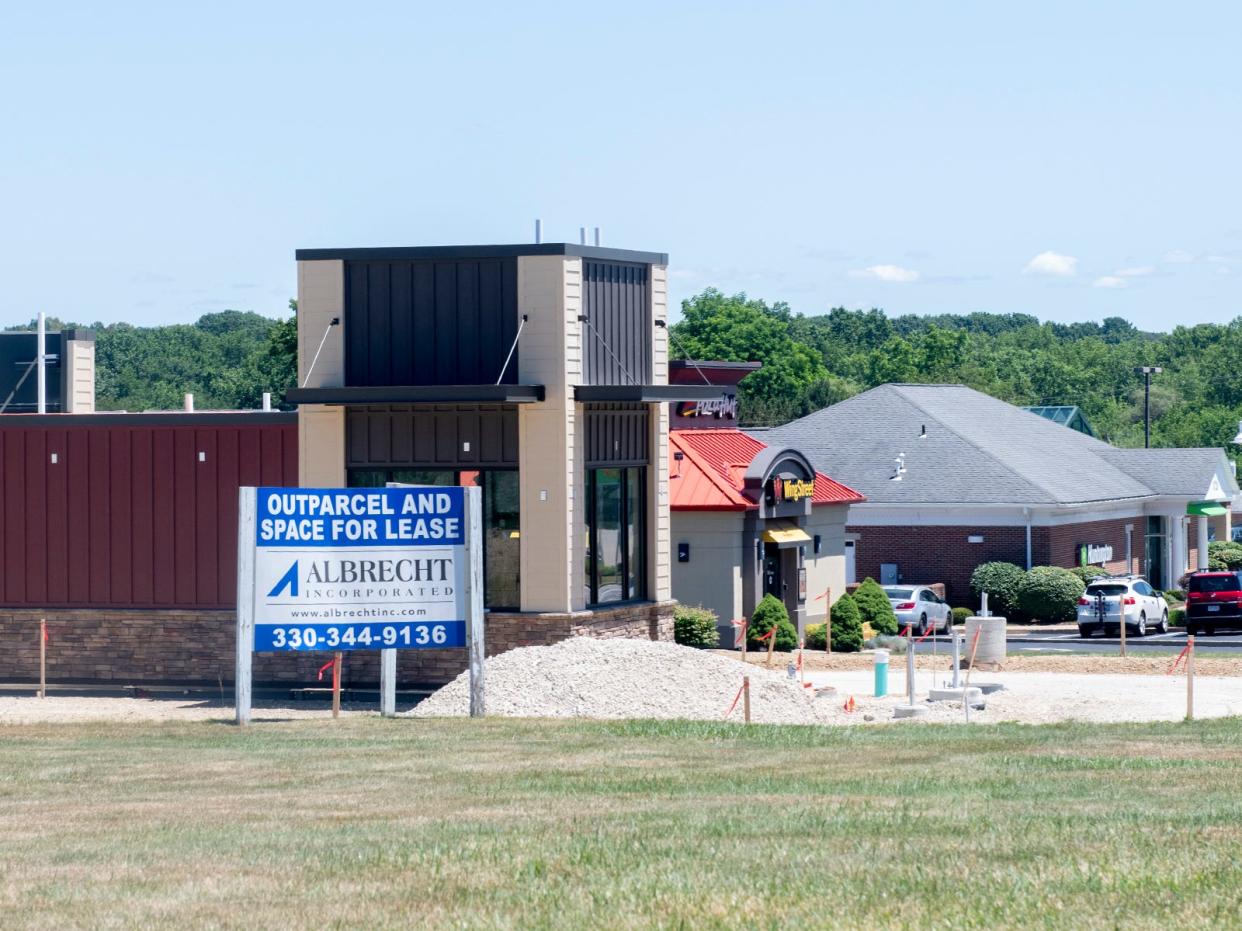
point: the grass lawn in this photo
(370, 823)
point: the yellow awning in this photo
(784, 533)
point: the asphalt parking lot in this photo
(1061, 640)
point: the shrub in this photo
(771, 611)
(1226, 552)
(695, 627)
(846, 625)
(1050, 594)
(1177, 617)
(960, 615)
(875, 607)
(1089, 573)
(813, 636)
(1174, 596)
(1000, 580)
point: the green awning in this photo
(1206, 509)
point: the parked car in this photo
(1106, 601)
(920, 607)
(1213, 599)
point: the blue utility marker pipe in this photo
(881, 673)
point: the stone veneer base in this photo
(179, 647)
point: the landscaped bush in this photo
(1224, 555)
(1177, 617)
(960, 615)
(695, 627)
(1000, 580)
(875, 607)
(1089, 573)
(771, 611)
(813, 636)
(1049, 594)
(846, 626)
(1174, 596)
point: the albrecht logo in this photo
(289, 580)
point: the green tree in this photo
(769, 612)
(876, 609)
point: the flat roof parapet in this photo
(396, 253)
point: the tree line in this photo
(810, 362)
(228, 359)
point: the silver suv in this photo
(1107, 601)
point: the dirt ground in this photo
(1132, 665)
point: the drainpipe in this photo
(1129, 549)
(1026, 513)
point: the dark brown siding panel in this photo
(77, 465)
(142, 520)
(36, 519)
(14, 490)
(57, 520)
(128, 517)
(429, 322)
(617, 434)
(616, 342)
(431, 436)
(120, 529)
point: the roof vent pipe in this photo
(41, 362)
(582, 235)
(923, 432)
(189, 403)
(538, 230)
(267, 400)
(597, 235)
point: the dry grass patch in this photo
(512, 823)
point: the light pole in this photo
(1147, 371)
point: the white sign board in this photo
(358, 569)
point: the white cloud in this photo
(1118, 278)
(1178, 257)
(1052, 263)
(893, 273)
(1110, 281)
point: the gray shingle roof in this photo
(979, 450)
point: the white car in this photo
(919, 606)
(1105, 601)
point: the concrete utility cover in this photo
(975, 694)
(910, 711)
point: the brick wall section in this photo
(925, 555)
(196, 647)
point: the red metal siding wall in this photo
(128, 517)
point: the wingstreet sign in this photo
(359, 569)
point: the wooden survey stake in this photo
(336, 684)
(43, 657)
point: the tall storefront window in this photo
(502, 526)
(615, 535)
(1153, 563)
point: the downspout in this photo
(1026, 513)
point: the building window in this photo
(616, 530)
(502, 526)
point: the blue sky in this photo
(1068, 160)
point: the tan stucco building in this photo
(538, 372)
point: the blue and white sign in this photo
(359, 568)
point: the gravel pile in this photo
(588, 678)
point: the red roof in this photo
(713, 472)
